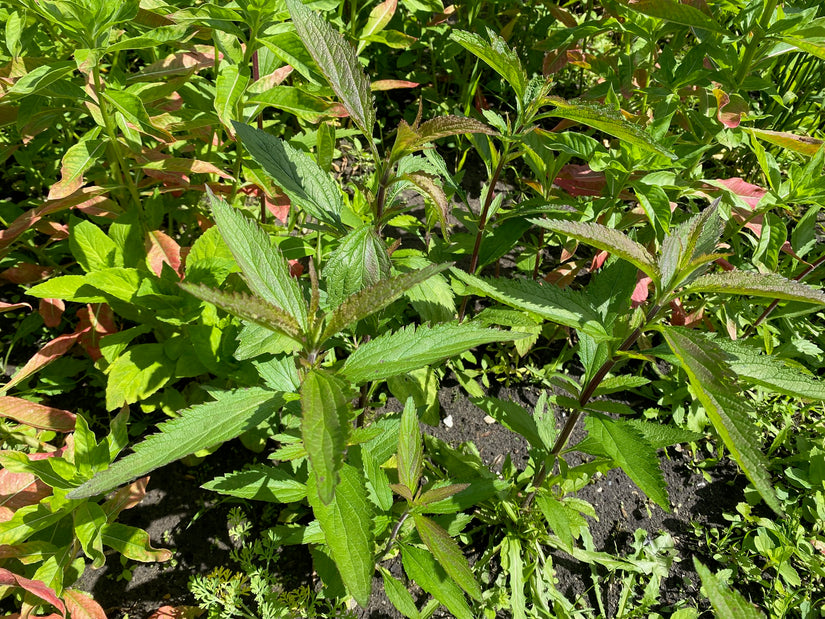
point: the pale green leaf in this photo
(400, 597)
(92, 249)
(199, 427)
(136, 374)
(410, 448)
(296, 101)
(676, 12)
(347, 525)
(264, 267)
(229, 89)
(68, 288)
(502, 59)
(713, 382)
(133, 543)
(325, 428)
(41, 78)
(410, 348)
(448, 554)
(726, 602)
(338, 62)
(563, 306)
(768, 285)
(422, 567)
(380, 16)
(261, 483)
(797, 143)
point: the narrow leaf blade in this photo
(767, 285)
(448, 554)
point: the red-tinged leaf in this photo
(296, 269)
(177, 612)
(26, 273)
(161, 248)
(58, 347)
(381, 85)
(77, 160)
(730, 109)
(19, 490)
(556, 61)
(81, 605)
(34, 587)
(55, 231)
(186, 166)
(580, 180)
(181, 63)
(797, 143)
(52, 311)
(276, 78)
(95, 321)
(9, 307)
(749, 193)
(125, 498)
(564, 274)
(599, 260)
(641, 291)
(36, 415)
(563, 16)
(379, 17)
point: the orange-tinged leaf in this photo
(19, 490)
(82, 606)
(160, 248)
(797, 143)
(26, 273)
(177, 612)
(730, 109)
(181, 63)
(77, 160)
(379, 17)
(184, 165)
(34, 587)
(380, 85)
(9, 307)
(125, 498)
(36, 415)
(58, 347)
(96, 320)
(52, 311)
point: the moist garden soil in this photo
(193, 522)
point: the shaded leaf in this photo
(35, 587)
(77, 160)
(726, 602)
(676, 12)
(36, 415)
(133, 543)
(422, 567)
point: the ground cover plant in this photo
(268, 220)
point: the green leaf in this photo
(655, 203)
(713, 383)
(564, 521)
(89, 519)
(563, 306)
(41, 78)
(410, 448)
(689, 247)
(296, 101)
(797, 143)
(726, 602)
(30, 519)
(77, 159)
(302, 180)
(400, 597)
(514, 564)
(608, 120)
(92, 249)
(448, 554)
(608, 239)
(229, 89)
(261, 483)
(199, 427)
(325, 428)
(347, 525)
(133, 111)
(676, 12)
(474, 492)
(249, 308)
(264, 267)
(513, 417)
(338, 62)
(410, 348)
(375, 298)
(502, 59)
(136, 374)
(68, 288)
(359, 262)
(133, 543)
(379, 17)
(422, 567)
(768, 285)
(629, 449)
(660, 436)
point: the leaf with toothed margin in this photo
(725, 601)
(375, 298)
(501, 58)
(248, 308)
(338, 62)
(201, 426)
(264, 267)
(768, 285)
(448, 554)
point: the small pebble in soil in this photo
(489, 420)
(448, 421)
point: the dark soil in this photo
(193, 522)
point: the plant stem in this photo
(482, 220)
(381, 195)
(256, 75)
(756, 39)
(584, 398)
(394, 534)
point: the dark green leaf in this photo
(726, 602)
(768, 285)
(676, 12)
(410, 448)
(422, 567)
(359, 262)
(448, 554)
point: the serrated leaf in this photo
(608, 239)
(629, 449)
(360, 261)
(448, 554)
(561, 518)
(608, 120)
(264, 267)
(726, 602)
(298, 102)
(302, 180)
(713, 383)
(422, 567)
(325, 428)
(375, 298)
(338, 62)
(199, 427)
(260, 483)
(133, 543)
(502, 59)
(434, 495)
(410, 448)
(473, 493)
(347, 526)
(400, 597)
(660, 436)
(768, 285)
(619, 383)
(513, 417)
(563, 306)
(410, 348)
(676, 12)
(249, 308)
(444, 126)
(426, 185)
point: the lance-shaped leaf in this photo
(379, 17)
(347, 526)
(608, 239)
(428, 574)
(248, 308)
(78, 158)
(36, 415)
(261, 483)
(563, 306)
(199, 427)
(133, 543)
(301, 178)
(426, 185)
(229, 89)
(501, 58)
(768, 285)
(513, 417)
(400, 597)
(375, 298)
(448, 554)
(324, 427)
(410, 348)
(713, 382)
(676, 12)
(797, 143)
(629, 449)
(264, 267)
(726, 602)
(608, 120)
(689, 246)
(338, 62)
(410, 448)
